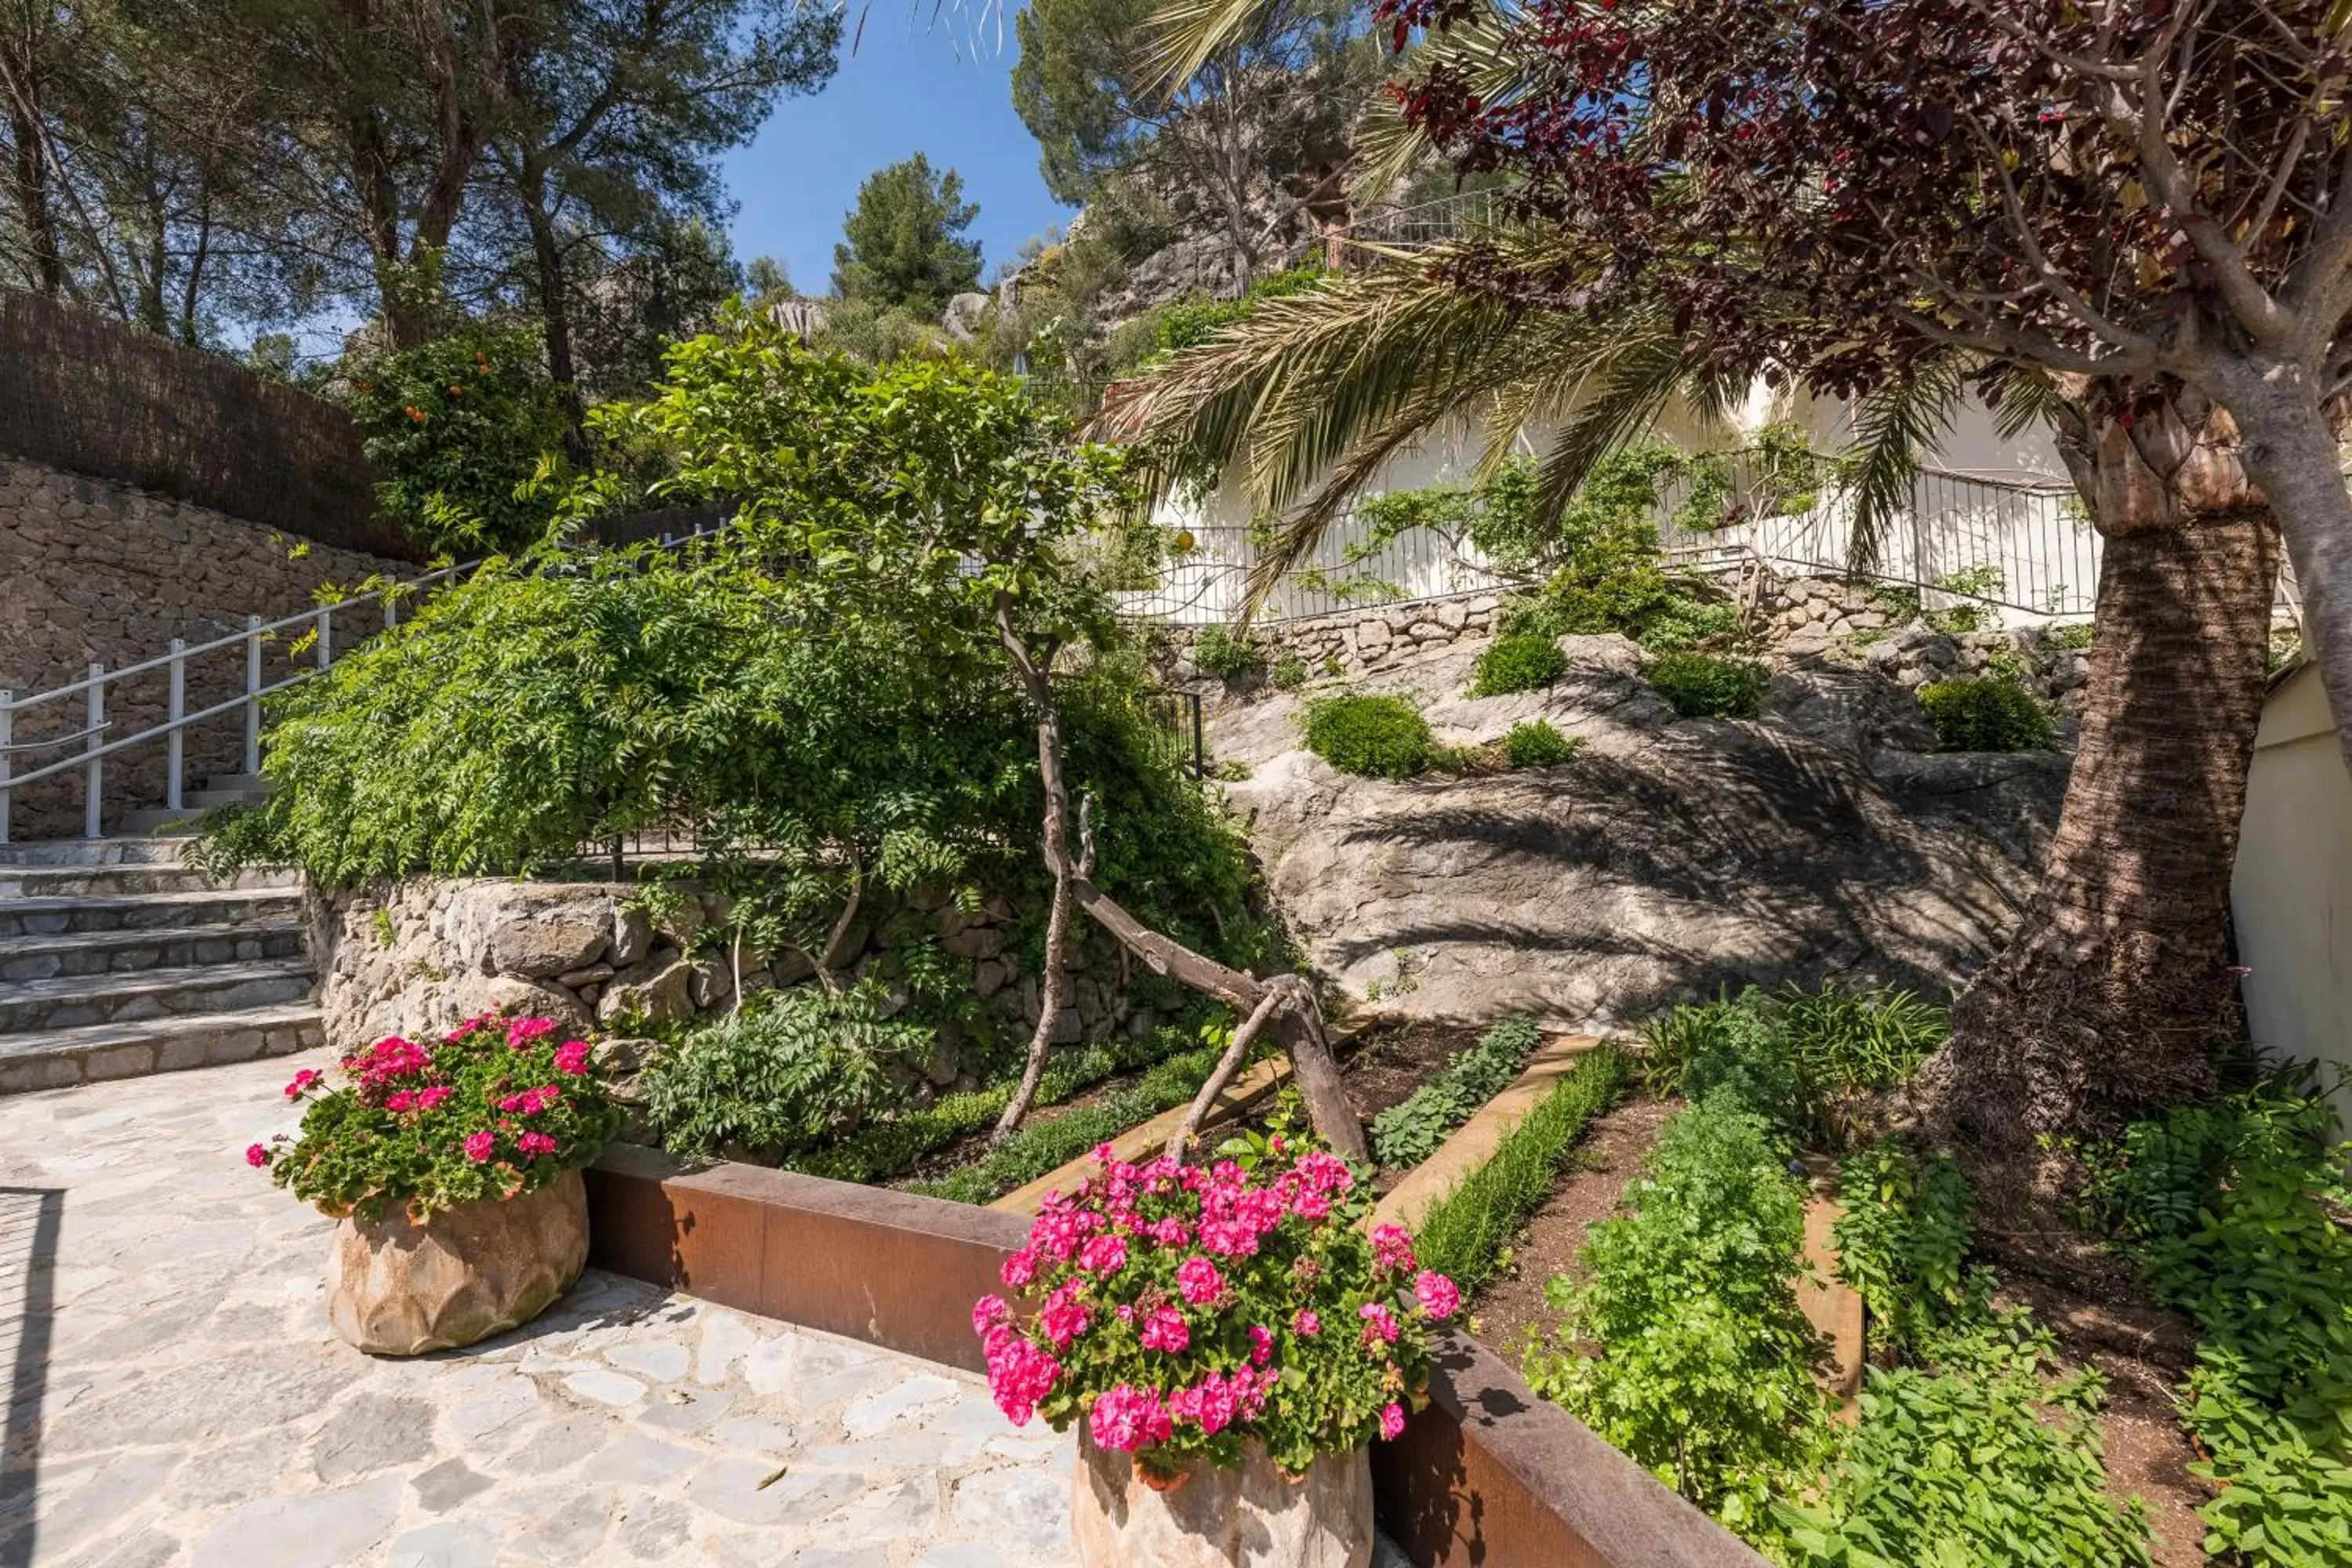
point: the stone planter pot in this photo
(397, 1288)
(1253, 1517)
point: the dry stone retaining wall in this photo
(419, 956)
(92, 570)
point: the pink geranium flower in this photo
(1393, 1249)
(256, 1156)
(1392, 1422)
(433, 1095)
(1379, 1324)
(572, 1058)
(1019, 1269)
(1261, 1345)
(478, 1145)
(1198, 1281)
(1129, 1418)
(522, 1031)
(302, 1081)
(1439, 1297)
(1103, 1255)
(534, 1144)
(1164, 1329)
(1306, 1322)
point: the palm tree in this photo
(2114, 994)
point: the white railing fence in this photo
(2023, 547)
(86, 751)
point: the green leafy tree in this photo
(460, 426)
(903, 243)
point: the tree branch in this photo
(1215, 1084)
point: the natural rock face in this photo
(90, 569)
(1252, 1517)
(1670, 857)
(479, 1269)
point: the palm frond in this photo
(1625, 395)
(1891, 427)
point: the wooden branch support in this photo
(1235, 1054)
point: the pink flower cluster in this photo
(531, 1102)
(522, 1031)
(302, 1081)
(1020, 1372)
(572, 1058)
(385, 1063)
(1166, 1258)
(425, 1099)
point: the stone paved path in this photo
(176, 1397)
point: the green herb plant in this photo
(1701, 686)
(1988, 713)
(1516, 663)
(1373, 736)
(1408, 1132)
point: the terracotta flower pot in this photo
(397, 1288)
(1253, 1517)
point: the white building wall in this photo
(2293, 892)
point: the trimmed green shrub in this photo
(2071, 638)
(1987, 713)
(1516, 663)
(1462, 1238)
(1537, 744)
(1701, 686)
(1289, 673)
(1410, 1131)
(1377, 737)
(1226, 654)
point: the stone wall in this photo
(1799, 619)
(91, 570)
(419, 956)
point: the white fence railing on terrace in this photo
(2027, 548)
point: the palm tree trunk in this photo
(2116, 992)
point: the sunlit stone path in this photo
(173, 1394)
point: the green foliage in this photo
(895, 1139)
(1410, 1131)
(1049, 1142)
(1516, 663)
(1701, 686)
(1600, 558)
(2071, 638)
(460, 427)
(903, 243)
(1792, 1056)
(1375, 737)
(1189, 321)
(1902, 1240)
(1463, 1236)
(491, 1110)
(1987, 713)
(798, 1067)
(1537, 744)
(1704, 1371)
(1993, 1459)
(1226, 654)
(1975, 583)
(2230, 1210)
(1289, 672)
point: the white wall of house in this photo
(2293, 892)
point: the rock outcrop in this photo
(1671, 856)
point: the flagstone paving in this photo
(177, 1396)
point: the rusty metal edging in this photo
(1488, 1474)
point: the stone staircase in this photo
(116, 959)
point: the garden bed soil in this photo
(1607, 1156)
(2144, 1354)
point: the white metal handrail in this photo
(90, 760)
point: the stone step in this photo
(104, 881)
(59, 1059)
(146, 911)
(73, 1001)
(48, 955)
(127, 849)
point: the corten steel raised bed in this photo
(1488, 1474)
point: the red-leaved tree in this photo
(2151, 197)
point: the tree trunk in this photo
(2115, 992)
(555, 314)
(30, 179)
(1297, 1024)
(2290, 450)
(1057, 917)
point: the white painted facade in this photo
(2293, 892)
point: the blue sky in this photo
(909, 86)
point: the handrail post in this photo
(391, 607)
(93, 788)
(325, 647)
(175, 743)
(7, 739)
(252, 694)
